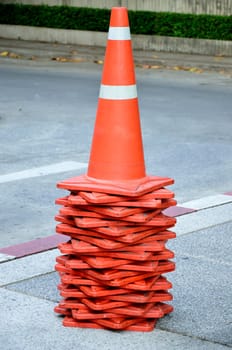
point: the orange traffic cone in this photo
(112, 268)
(117, 150)
(116, 163)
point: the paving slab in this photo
(213, 243)
(202, 301)
(43, 287)
(203, 219)
(28, 267)
(29, 323)
(202, 285)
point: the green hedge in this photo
(141, 22)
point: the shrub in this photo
(141, 22)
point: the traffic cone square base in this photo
(103, 304)
(126, 188)
(62, 201)
(65, 220)
(115, 212)
(148, 203)
(137, 310)
(105, 262)
(63, 311)
(142, 326)
(71, 292)
(99, 291)
(71, 322)
(150, 284)
(119, 323)
(99, 198)
(119, 232)
(70, 211)
(138, 237)
(88, 249)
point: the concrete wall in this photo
(142, 42)
(219, 7)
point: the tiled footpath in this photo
(201, 288)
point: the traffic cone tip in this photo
(119, 17)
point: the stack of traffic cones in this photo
(112, 268)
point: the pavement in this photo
(201, 283)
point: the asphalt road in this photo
(47, 116)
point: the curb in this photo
(35, 53)
(140, 42)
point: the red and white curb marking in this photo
(196, 210)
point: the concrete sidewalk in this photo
(201, 288)
(35, 52)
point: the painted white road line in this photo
(208, 202)
(42, 171)
(202, 219)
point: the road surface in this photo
(47, 114)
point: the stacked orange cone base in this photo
(112, 268)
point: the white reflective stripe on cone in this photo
(118, 92)
(119, 33)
